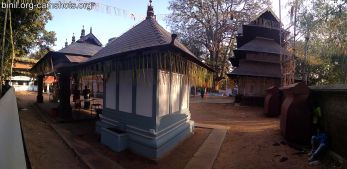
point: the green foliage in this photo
(29, 33)
(43, 44)
(25, 60)
(324, 24)
(209, 27)
(165, 61)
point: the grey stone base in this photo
(116, 140)
(159, 147)
(145, 143)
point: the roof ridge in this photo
(147, 34)
(159, 29)
(89, 35)
(260, 37)
(268, 9)
(127, 31)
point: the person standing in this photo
(202, 92)
(86, 96)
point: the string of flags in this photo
(113, 10)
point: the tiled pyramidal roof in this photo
(263, 45)
(261, 37)
(87, 45)
(146, 34)
(77, 52)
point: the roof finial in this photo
(66, 42)
(83, 32)
(173, 38)
(90, 30)
(150, 11)
(73, 37)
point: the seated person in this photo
(319, 145)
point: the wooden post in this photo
(64, 108)
(194, 90)
(75, 91)
(39, 97)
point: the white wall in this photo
(111, 91)
(163, 93)
(185, 93)
(11, 147)
(125, 90)
(168, 102)
(175, 92)
(144, 93)
(25, 87)
(179, 96)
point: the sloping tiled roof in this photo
(263, 45)
(76, 52)
(259, 69)
(90, 38)
(76, 59)
(146, 34)
(19, 65)
(79, 48)
(268, 13)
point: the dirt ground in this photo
(175, 159)
(252, 142)
(40, 137)
(45, 148)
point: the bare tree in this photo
(209, 27)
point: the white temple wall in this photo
(125, 90)
(185, 88)
(144, 93)
(163, 93)
(172, 92)
(175, 92)
(111, 93)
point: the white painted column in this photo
(47, 88)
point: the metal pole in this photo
(280, 32)
(12, 44)
(3, 50)
(294, 43)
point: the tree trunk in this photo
(39, 97)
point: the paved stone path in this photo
(207, 153)
(92, 158)
(88, 155)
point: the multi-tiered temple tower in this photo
(258, 57)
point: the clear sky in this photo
(111, 18)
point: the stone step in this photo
(208, 151)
